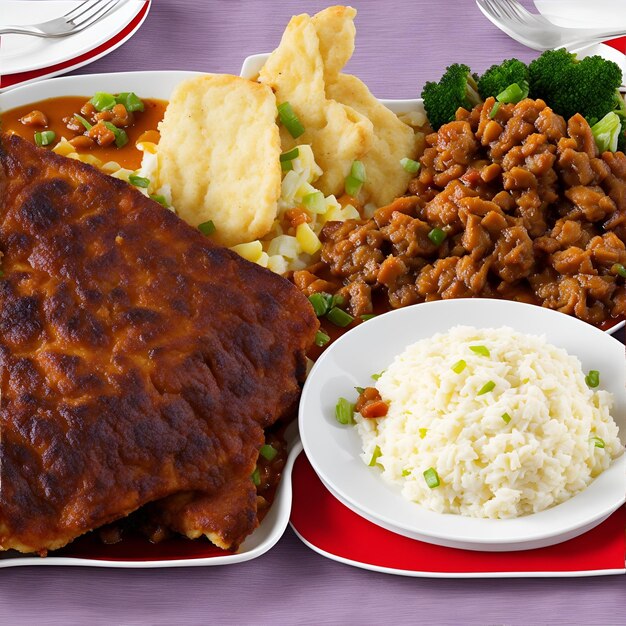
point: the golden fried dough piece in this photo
(219, 152)
(392, 139)
(337, 133)
(137, 359)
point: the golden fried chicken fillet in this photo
(138, 361)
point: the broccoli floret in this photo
(457, 88)
(570, 86)
(498, 77)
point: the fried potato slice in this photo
(393, 139)
(219, 152)
(337, 133)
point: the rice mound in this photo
(545, 454)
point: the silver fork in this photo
(535, 31)
(79, 18)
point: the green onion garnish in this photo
(321, 338)
(256, 477)
(437, 236)
(410, 165)
(619, 269)
(406, 472)
(355, 179)
(121, 138)
(359, 390)
(157, 197)
(83, 121)
(377, 454)
(597, 442)
(367, 316)
(207, 228)
(289, 156)
(593, 379)
(139, 181)
(337, 300)
(314, 202)
(459, 366)
(103, 101)
(44, 137)
(486, 388)
(377, 376)
(344, 411)
(339, 317)
(320, 302)
(290, 120)
(482, 350)
(130, 101)
(506, 417)
(513, 93)
(431, 477)
(494, 110)
(268, 452)
(422, 432)
(352, 186)
(286, 166)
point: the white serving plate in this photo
(333, 449)
(21, 53)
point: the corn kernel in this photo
(308, 240)
(251, 251)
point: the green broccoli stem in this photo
(471, 91)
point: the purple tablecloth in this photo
(400, 44)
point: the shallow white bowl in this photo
(334, 449)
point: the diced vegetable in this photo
(406, 472)
(250, 251)
(308, 240)
(459, 366)
(410, 165)
(377, 376)
(355, 179)
(321, 338)
(422, 432)
(207, 228)
(481, 350)
(375, 456)
(44, 137)
(289, 120)
(256, 477)
(339, 317)
(139, 181)
(83, 121)
(359, 390)
(437, 236)
(268, 452)
(597, 442)
(121, 138)
(606, 132)
(130, 101)
(494, 110)
(320, 302)
(619, 269)
(157, 197)
(314, 202)
(513, 93)
(593, 379)
(290, 155)
(344, 411)
(431, 477)
(506, 417)
(103, 101)
(368, 316)
(486, 388)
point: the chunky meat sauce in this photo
(529, 210)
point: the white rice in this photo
(487, 467)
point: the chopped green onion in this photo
(353, 186)
(289, 156)
(344, 411)
(256, 477)
(368, 316)
(486, 388)
(357, 171)
(83, 121)
(406, 472)
(481, 350)
(506, 417)
(593, 379)
(410, 165)
(339, 317)
(314, 202)
(44, 137)
(437, 236)
(431, 477)
(422, 432)
(130, 101)
(494, 110)
(207, 228)
(619, 269)
(513, 93)
(377, 454)
(597, 442)
(320, 302)
(103, 101)
(359, 390)
(289, 120)
(459, 366)
(377, 376)
(606, 132)
(121, 138)
(321, 338)
(139, 181)
(268, 452)
(337, 300)
(286, 166)
(157, 197)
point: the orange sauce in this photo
(56, 109)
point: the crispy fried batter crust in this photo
(137, 359)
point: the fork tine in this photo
(85, 3)
(518, 12)
(103, 7)
(493, 8)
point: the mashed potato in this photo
(503, 422)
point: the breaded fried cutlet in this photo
(139, 362)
